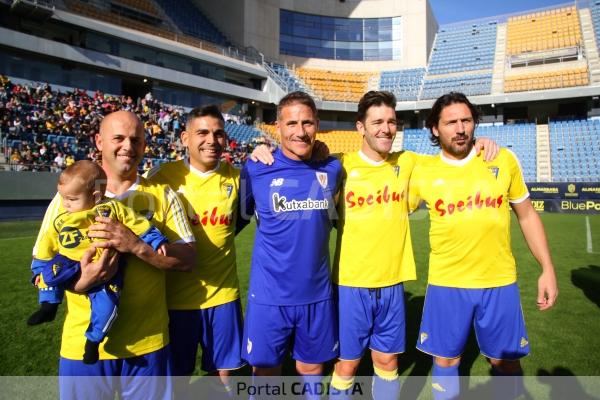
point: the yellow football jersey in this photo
(142, 324)
(468, 203)
(210, 200)
(68, 234)
(374, 248)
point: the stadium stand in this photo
(417, 140)
(241, 133)
(544, 30)
(405, 84)
(595, 11)
(547, 80)
(191, 21)
(336, 86)
(270, 130)
(341, 141)
(134, 14)
(575, 151)
(471, 85)
(287, 79)
(467, 47)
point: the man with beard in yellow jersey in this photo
(136, 349)
(205, 307)
(472, 273)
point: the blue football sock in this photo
(386, 385)
(445, 383)
(507, 386)
(312, 388)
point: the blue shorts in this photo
(217, 329)
(310, 330)
(141, 377)
(370, 318)
(495, 313)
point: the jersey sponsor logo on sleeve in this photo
(281, 204)
(469, 204)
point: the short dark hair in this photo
(210, 110)
(296, 97)
(444, 101)
(374, 98)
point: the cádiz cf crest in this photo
(56, 268)
(228, 189)
(103, 211)
(494, 171)
(322, 178)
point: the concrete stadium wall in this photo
(25, 195)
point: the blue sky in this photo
(448, 11)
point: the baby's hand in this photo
(162, 249)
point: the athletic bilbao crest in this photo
(322, 178)
(396, 170)
(494, 171)
(228, 189)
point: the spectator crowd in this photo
(42, 129)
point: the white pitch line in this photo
(17, 238)
(588, 235)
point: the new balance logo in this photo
(276, 182)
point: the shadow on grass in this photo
(567, 387)
(588, 280)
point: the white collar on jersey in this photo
(131, 188)
(202, 174)
(368, 160)
(459, 163)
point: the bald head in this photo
(122, 119)
(121, 143)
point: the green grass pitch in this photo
(564, 340)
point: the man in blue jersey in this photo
(290, 294)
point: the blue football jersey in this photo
(293, 202)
